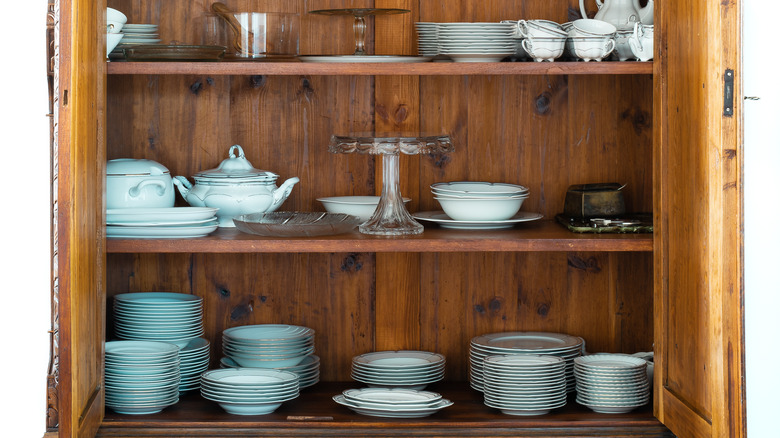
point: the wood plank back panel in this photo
(244, 289)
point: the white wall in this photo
(24, 217)
(762, 210)
(24, 221)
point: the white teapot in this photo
(621, 13)
(235, 188)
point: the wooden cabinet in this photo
(658, 127)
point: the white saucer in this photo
(444, 221)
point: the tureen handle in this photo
(233, 151)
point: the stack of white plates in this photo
(308, 370)
(392, 403)
(398, 369)
(268, 345)
(160, 223)
(249, 391)
(140, 34)
(427, 38)
(525, 384)
(477, 42)
(564, 346)
(141, 377)
(194, 360)
(611, 383)
(158, 316)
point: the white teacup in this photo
(544, 49)
(641, 42)
(539, 28)
(593, 49)
(588, 27)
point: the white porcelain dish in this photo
(392, 412)
(180, 232)
(138, 183)
(440, 218)
(363, 58)
(479, 188)
(360, 206)
(175, 214)
(481, 209)
(399, 359)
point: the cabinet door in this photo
(79, 173)
(697, 196)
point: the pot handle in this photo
(161, 186)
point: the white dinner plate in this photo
(182, 232)
(160, 214)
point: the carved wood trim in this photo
(52, 68)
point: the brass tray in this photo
(173, 52)
(296, 224)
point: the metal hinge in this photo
(728, 93)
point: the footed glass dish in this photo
(390, 217)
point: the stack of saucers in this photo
(527, 384)
(140, 34)
(308, 370)
(611, 383)
(392, 403)
(194, 358)
(249, 391)
(141, 377)
(398, 369)
(477, 42)
(158, 316)
(268, 345)
(427, 38)
(496, 344)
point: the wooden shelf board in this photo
(379, 69)
(528, 237)
(314, 413)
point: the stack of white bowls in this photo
(268, 345)
(561, 345)
(469, 42)
(141, 377)
(308, 370)
(542, 40)
(398, 369)
(166, 317)
(525, 384)
(393, 402)
(249, 391)
(115, 21)
(479, 201)
(611, 383)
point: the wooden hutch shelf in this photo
(314, 413)
(380, 69)
(542, 236)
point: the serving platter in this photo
(444, 221)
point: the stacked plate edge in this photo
(611, 383)
(141, 377)
(268, 345)
(249, 391)
(392, 402)
(562, 345)
(398, 369)
(308, 370)
(525, 384)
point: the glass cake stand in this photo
(360, 15)
(390, 217)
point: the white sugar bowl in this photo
(235, 188)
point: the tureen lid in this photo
(237, 166)
(133, 167)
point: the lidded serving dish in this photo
(132, 183)
(235, 187)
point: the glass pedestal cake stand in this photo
(390, 217)
(359, 26)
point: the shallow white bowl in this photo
(478, 188)
(486, 209)
(360, 206)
